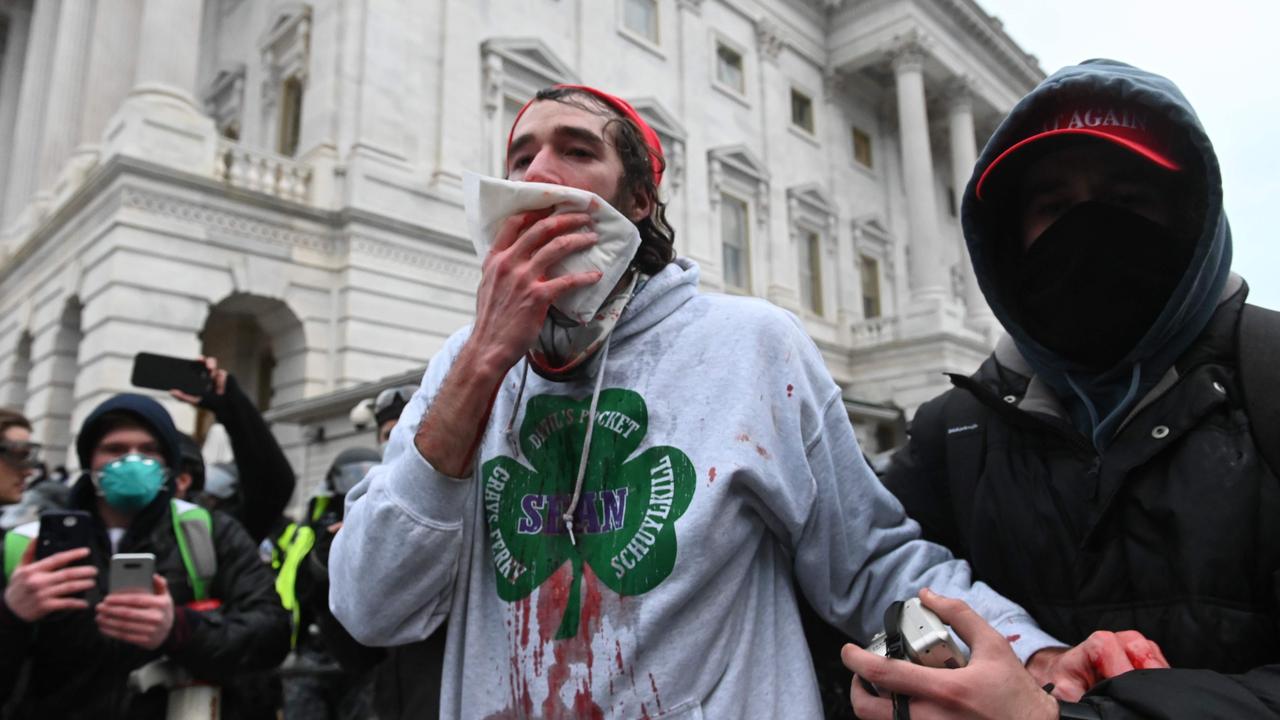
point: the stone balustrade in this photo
(875, 331)
(263, 172)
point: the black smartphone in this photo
(162, 372)
(63, 530)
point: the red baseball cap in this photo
(1132, 128)
(623, 107)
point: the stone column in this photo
(108, 79)
(929, 278)
(169, 50)
(15, 50)
(964, 154)
(66, 91)
(161, 121)
(29, 126)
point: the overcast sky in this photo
(1224, 56)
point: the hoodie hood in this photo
(1098, 401)
(150, 413)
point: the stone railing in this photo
(875, 331)
(262, 172)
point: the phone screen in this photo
(161, 372)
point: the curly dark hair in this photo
(657, 237)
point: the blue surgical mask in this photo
(130, 483)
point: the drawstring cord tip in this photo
(568, 523)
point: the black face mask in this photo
(1093, 283)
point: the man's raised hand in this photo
(515, 292)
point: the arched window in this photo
(15, 390)
(260, 341)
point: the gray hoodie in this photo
(723, 478)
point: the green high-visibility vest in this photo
(296, 541)
(192, 527)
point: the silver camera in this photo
(921, 636)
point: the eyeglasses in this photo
(20, 454)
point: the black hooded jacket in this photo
(76, 672)
(1170, 528)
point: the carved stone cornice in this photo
(494, 79)
(769, 39)
(908, 51)
(958, 94)
(224, 222)
(693, 6)
(833, 83)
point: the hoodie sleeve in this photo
(392, 566)
(855, 549)
(266, 478)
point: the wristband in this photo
(1077, 711)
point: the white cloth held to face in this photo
(490, 201)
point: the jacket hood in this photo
(149, 412)
(1103, 399)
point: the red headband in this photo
(625, 109)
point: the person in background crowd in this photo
(266, 479)
(1113, 464)
(214, 617)
(331, 677)
(387, 407)
(25, 487)
(382, 411)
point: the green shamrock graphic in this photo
(624, 522)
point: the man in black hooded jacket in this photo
(81, 651)
(1101, 468)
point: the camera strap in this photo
(896, 649)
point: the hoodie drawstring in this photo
(1104, 427)
(515, 410)
(586, 442)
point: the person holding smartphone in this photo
(265, 478)
(81, 653)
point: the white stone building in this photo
(278, 183)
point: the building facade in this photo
(279, 183)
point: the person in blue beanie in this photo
(212, 610)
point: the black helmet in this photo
(350, 467)
(391, 402)
(192, 461)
